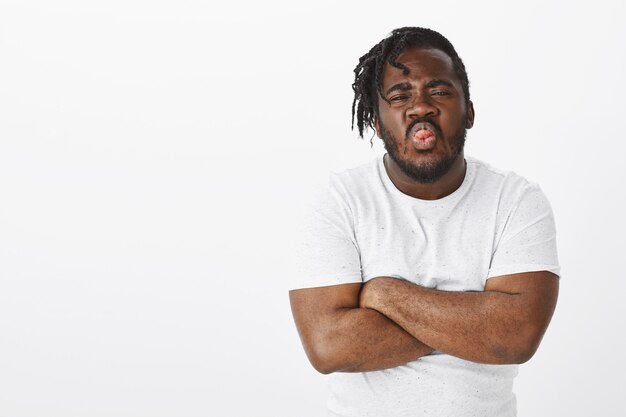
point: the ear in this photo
(469, 121)
(377, 126)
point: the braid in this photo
(368, 74)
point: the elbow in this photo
(529, 342)
(323, 367)
(523, 347)
(325, 357)
(527, 349)
(513, 354)
(523, 355)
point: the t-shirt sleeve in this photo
(528, 241)
(327, 251)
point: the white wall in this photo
(153, 156)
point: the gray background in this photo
(154, 157)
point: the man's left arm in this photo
(501, 325)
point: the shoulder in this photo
(359, 176)
(518, 202)
(357, 183)
(342, 193)
(505, 184)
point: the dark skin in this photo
(340, 336)
(431, 90)
(387, 322)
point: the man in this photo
(427, 276)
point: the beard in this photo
(425, 172)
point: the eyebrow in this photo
(407, 86)
(438, 82)
(399, 86)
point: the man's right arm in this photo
(338, 336)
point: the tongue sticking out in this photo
(423, 134)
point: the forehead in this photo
(421, 63)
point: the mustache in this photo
(423, 120)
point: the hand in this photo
(371, 292)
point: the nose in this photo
(422, 106)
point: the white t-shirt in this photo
(495, 223)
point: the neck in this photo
(444, 186)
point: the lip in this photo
(426, 143)
(422, 126)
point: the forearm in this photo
(362, 339)
(485, 326)
(338, 336)
(454, 322)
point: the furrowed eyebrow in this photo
(399, 86)
(437, 83)
(407, 86)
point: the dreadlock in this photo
(368, 74)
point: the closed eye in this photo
(399, 97)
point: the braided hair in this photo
(368, 74)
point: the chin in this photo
(428, 170)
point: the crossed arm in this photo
(388, 322)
